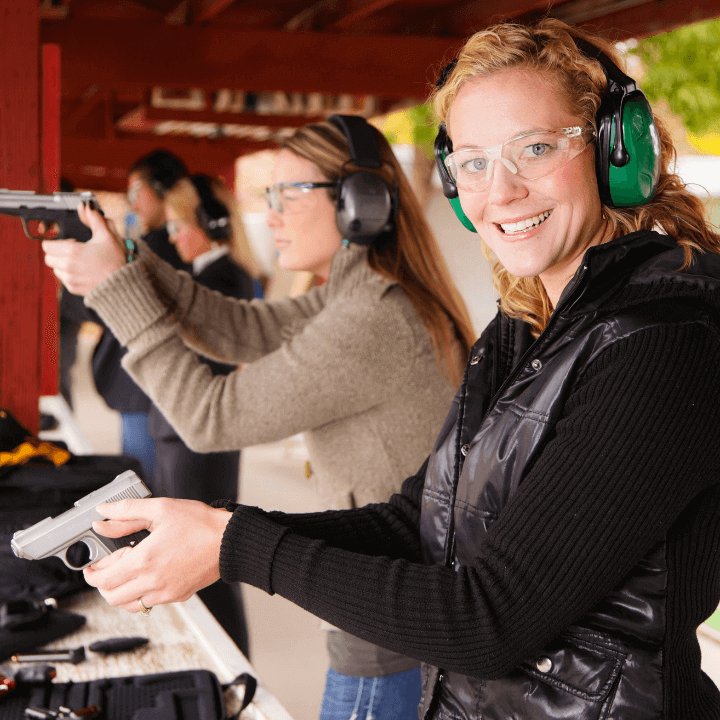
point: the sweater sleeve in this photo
(144, 298)
(586, 509)
(344, 360)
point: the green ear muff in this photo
(627, 162)
(635, 182)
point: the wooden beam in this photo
(102, 164)
(365, 11)
(656, 17)
(217, 56)
(50, 134)
(224, 118)
(20, 261)
(206, 10)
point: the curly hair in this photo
(548, 47)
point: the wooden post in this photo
(20, 261)
(50, 133)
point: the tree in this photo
(683, 67)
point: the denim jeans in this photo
(136, 441)
(393, 697)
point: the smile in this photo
(511, 228)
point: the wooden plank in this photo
(102, 164)
(20, 276)
(50, 323)
(219, 56)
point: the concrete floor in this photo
(287, 645)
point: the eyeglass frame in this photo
(495, 152)
(309, 185)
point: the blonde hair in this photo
(549, 48)
(184, 200)
(409, 254)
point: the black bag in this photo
(30, 493)
(184, 695)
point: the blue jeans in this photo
(136, 441)
(393, 697)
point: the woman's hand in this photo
(82, 266)
(180, 556)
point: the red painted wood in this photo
(219, 56)
(50, 145)
(102, 164)
(20, 276)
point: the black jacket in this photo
(617, 660)
(113, 383)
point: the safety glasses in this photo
(289, 197)
(530, 156)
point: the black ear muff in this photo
(212, 215)
(365, 205)
(627, 156)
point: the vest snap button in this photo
(544, 664)
(465, 449)
(475, 359)
(536, 364)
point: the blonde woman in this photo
(365, 365)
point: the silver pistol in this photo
(55, 536)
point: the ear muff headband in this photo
(627, 156)
(212, 215)
(365, 203)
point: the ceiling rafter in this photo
(360, 14)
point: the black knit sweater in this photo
(647, 405)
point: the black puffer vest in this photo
(608, 665)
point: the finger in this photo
(95, 572)
(129, 509)
(55, 248)
(119, 528)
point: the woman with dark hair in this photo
(365, 365)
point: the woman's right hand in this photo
(82, 266)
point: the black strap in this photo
(361, 140)
(250, 686)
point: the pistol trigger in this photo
(27, 231)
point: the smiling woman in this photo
(557, 550)
(364, 365)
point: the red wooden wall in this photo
(21, 269)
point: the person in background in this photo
(150, 177)
(559, 548)
(203, 224)
(365, 365)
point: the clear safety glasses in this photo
(173, 227)
(289, 197)
(530, 156)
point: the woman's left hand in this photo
(180, 556)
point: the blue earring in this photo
(345, 242)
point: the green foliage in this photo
(683, 66)
(424, 127)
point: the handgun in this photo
(52, 217)
(55, 536)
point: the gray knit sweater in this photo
(348, 363)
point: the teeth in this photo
(510, 228)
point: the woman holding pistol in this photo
(557, 551)
(364, 365)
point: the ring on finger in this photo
(144, 610)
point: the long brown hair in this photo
(548, 48)
(411, 257)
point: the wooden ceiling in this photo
(214, 79)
